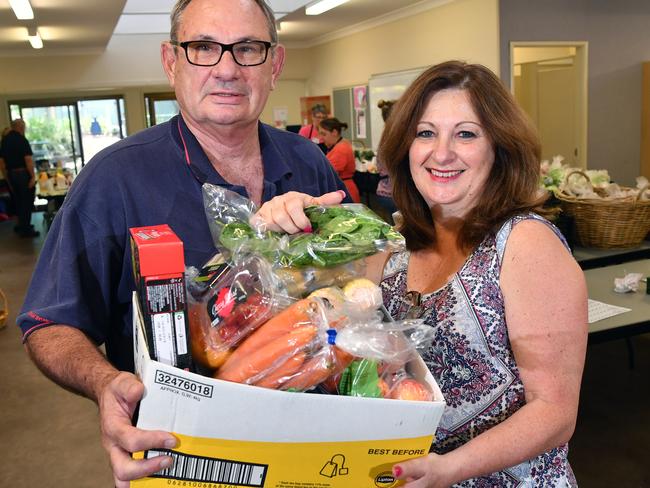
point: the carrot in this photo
(207, 347)
(296, 315)
(283, 372)
(328, 362)
(243, 368)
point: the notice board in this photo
(386, 86)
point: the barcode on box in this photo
(187, 467)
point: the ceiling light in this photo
(34, 38)
(22, 9)
(320, 6)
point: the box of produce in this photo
(235, 432)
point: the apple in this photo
(410, 389)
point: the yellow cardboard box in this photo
(240, 435)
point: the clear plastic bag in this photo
(315, 340)
(341, 233)
(376, 379)
(385, 342)
(230, 304)
(382, 349)
(291, 351)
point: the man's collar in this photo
(275, 168)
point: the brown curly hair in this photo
(513, 184)
(386, 107)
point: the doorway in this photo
(549, 81)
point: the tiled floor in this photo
(50, 437)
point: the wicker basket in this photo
(613, 223)
(4, 309)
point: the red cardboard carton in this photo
(158, 269)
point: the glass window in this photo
(160, 107)
(101, 124)
(14, 110)
(50, 134)
(68, 133)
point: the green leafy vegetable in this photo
(340, 234)
(361, 378)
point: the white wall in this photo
(619, 42)
(464, 29)
(130, 65)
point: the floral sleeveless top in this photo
(472, 360)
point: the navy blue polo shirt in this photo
(13, 149)
(84, 277)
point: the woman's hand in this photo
(432, 471)
(285, 213)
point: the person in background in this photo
(95, 127)
(491, 276)
(6, 198)
(340, 153)
(223, 60)
(384, 190)
(16, 156)
(310, 131)
(5, 192)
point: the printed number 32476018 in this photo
(163, 378)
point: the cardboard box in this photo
(159, 273)
(239, 435)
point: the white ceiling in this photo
(80, 26)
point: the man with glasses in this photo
(223, 59)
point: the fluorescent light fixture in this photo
(320, 6)
(22, 9)
(34, 38)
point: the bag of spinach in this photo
(341, 233)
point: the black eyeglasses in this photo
(209, 53)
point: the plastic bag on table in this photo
(341, 233)
(229, 301)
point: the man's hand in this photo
(285, 213)
(68, 357)
(117, 402)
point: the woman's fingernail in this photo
(166, 462)
(170, 443)
(397, 471)
(342, 193)
(308, 229)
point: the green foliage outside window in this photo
(47, 129)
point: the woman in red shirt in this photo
(340, 153)
(310, 131)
